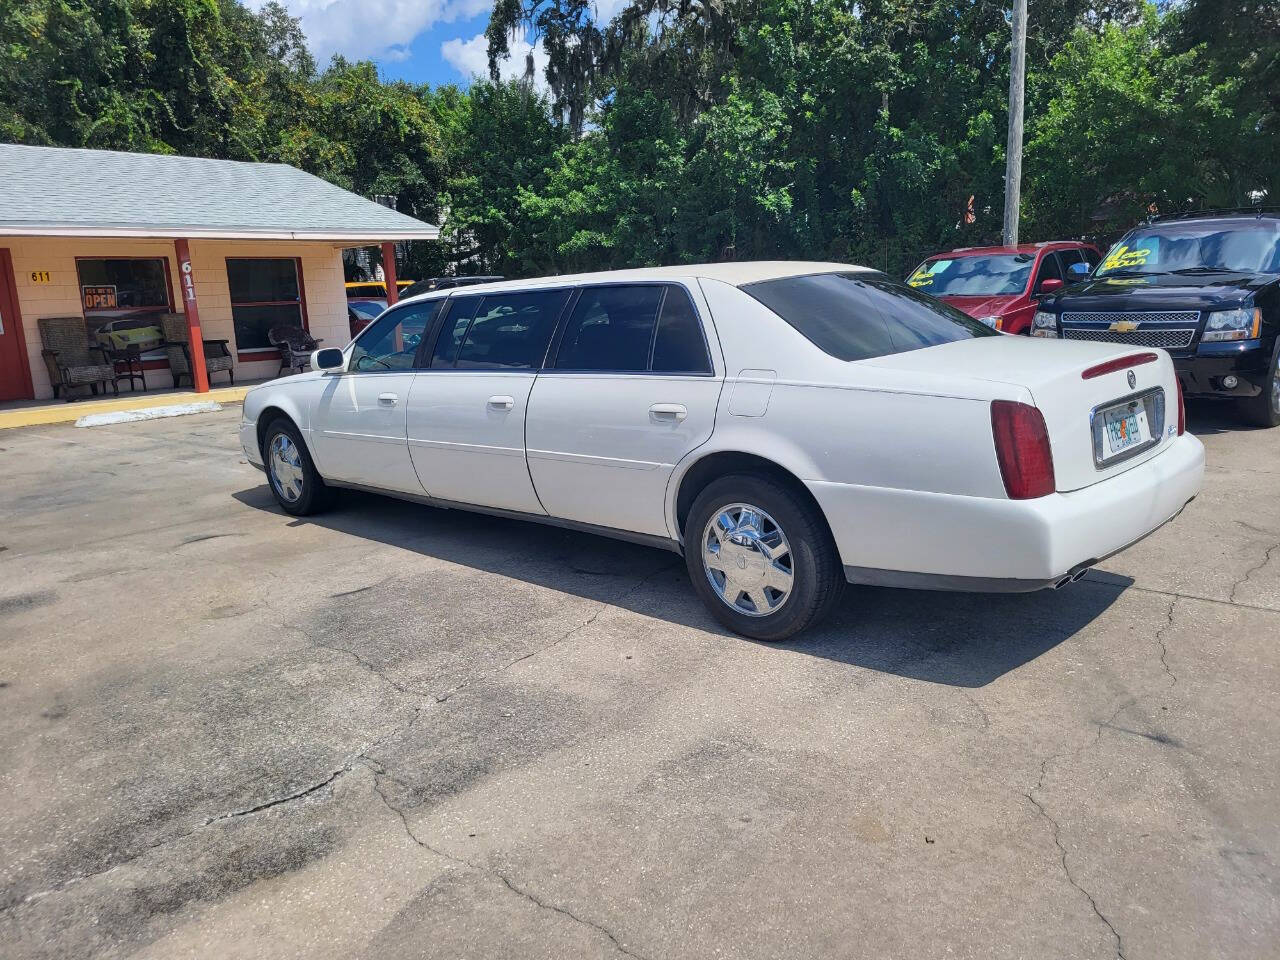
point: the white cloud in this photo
(471, 58)
(384, 29)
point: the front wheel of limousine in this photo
(293, 478)
(761, 557)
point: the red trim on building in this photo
(389, 273)
(9, 293)
(191, 308)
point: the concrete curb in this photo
(60, 412)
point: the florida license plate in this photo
(1124, 427)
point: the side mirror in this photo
(329, 358)
(1050, 285)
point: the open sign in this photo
(99, 297)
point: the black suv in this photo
(1205, 287)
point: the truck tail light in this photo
(1182, 410)
(1022, 450)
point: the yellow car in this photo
(137, 330)
(373, 289)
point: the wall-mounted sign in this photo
(101, 297)
(41, 276)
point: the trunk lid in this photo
(1051, 371)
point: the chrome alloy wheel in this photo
(1275, 389)
(747, 559)
(285, 465)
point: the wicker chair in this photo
(74, 360)
(217, 357)
(295, 346)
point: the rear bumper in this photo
(939, 541)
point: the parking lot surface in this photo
(392, 731)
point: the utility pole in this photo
(1013, 158)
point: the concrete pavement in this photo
(392, 731)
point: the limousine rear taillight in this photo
(1022, 450)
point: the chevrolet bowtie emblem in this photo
(1123, 326)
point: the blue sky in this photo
(423, 41)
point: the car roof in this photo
(1234, 219)
(1030, 248)
(735, 273)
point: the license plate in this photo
(1124, 427)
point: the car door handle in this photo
(390, 399)
(502, 403)
(668, 411)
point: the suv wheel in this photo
(298, 487)
(1264, 409)
(761, 558)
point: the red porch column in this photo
(195, 340)
(389, 273)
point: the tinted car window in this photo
(460, 313)
(1050, 269)
(611, 328)
(391, 342)
(854, 316)
(916, 320)
(511, 330)
(679, 346)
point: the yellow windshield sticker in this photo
(1122, 258)
(924, 273)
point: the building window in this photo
(122, 300)
(264, 294)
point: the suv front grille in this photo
(1172, 330)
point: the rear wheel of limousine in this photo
(761, 557)
(293, 478)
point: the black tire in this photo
(1264, 409)
(817, 579)
(314, 495)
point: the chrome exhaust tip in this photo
(1079, 574)
(1062, 583)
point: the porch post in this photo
(389, 273)
(195, 341)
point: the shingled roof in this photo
(52, 191)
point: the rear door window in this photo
(610, 329)
(679, 345)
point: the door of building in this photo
(15, 375)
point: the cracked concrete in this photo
(401, 732)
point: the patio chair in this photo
(73, 358)
(295, 346)
(217, 357)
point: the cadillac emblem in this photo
(1133, 379)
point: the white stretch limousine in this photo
(786, 426)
